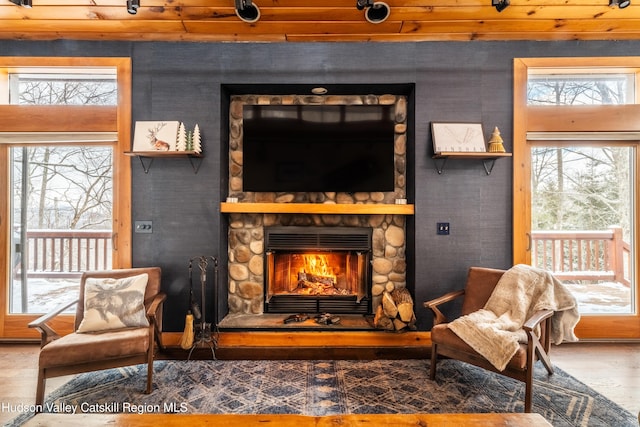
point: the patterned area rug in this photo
(330, 388)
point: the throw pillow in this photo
(111, 304)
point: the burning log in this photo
(325, 280)
(313, 284)
(395, 312)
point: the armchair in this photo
(479, 287)
(118, 320)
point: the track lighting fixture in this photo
(374, 11)
(23, 3)
(619, 3)
(247, 11)
(500, 5)
(132, 6)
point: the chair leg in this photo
(149, 377)
(434, 359)
(528, 390)
(149, 371)
(40, 387)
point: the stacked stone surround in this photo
(246, 230)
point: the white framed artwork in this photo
(155, 136)
(457, 137)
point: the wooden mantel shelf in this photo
(317, 208)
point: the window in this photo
(567, 87)
(575, 202)
(65, 213)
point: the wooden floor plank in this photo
(175, 420)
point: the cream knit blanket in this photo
(496, 330)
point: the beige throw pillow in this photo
(114, 304)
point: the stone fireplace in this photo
(256, 283)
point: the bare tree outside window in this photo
(62, 203)
(582, 190)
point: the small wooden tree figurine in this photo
(189, 141)
(495, 143)
(181, 144)
(196, 143)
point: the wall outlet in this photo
(443, 228)
(143, 227)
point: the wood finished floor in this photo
(613, 369)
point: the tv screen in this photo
(316, 148)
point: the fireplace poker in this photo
(204, 334)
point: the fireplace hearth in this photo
(318, 270)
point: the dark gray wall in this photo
(454, 81)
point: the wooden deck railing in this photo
(570, 255)
(67, 253)
(583, 255)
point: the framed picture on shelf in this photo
(155, 136)
(457, 137)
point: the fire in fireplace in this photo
(318, 270)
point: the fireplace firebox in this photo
(318, 270)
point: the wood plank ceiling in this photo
(322, 20)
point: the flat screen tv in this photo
(318, 148)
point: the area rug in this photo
(330, 387)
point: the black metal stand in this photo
(204, 335)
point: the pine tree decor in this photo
(196, 142)
(181, 144)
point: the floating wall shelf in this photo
(191, 155)
(488, 159)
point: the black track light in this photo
(247, 11)
(23, 3)
(619, 3)
(500, 5)
(374, 11)
(132, 6)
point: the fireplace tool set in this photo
(203, 334)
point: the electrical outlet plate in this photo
(443, 228)
(143, 227)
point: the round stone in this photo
(285, 198)
(235, 183)
(257, 306)
(235, 304)
(256, 265)
(236, 156)
(379, 279)
(257, 246)
(377, 289)
(238, 272)
(382, 266)
(394, 236)
(242, 254)
(235, 109)
(249, 290)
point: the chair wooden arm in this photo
(155, 304)
(533, 342)
(152, 312)
(47, 333)
(434, 303)
(536, 319)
